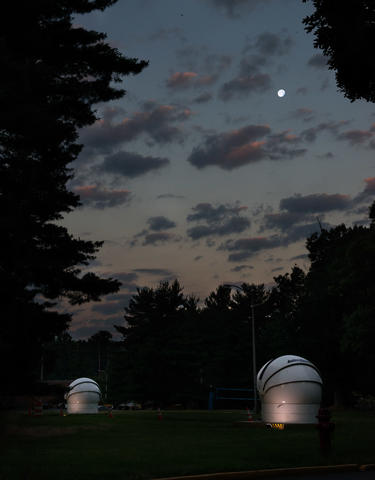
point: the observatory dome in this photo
(290, 389)
(83, 396)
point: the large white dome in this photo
(83, 396)
(290, 389)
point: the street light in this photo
(252, 306)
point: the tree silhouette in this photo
(345, 31)
(53, 74)
(338, 308)
(162, 346)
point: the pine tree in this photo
(53, 73)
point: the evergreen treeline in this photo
(48, 91)
(173, 350)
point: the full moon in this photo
(281, 93)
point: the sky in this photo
(202, 172)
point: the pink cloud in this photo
(181, 79)
(96, 197)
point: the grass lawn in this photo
(136, 445)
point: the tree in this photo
(53, 74)
(345, 31)
(227, 333)
(279, 331)
(102, 337)
(219, 333)
(101, 341)
(337, 311)
(161, 340)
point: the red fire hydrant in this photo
(325, 429)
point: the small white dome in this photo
(290, 388)
(83, 396)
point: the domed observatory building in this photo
(83, 396)
(290, 390)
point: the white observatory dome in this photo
(290, 390)
(83, 396)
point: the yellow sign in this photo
(277, 426)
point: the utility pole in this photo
(253, 347)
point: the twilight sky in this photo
(201, 172)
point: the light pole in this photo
(252, 306)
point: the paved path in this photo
(331, 476)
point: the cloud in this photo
(162, 123)
(131, 165)
(203, 98)
(154, 271)
(283, 145)
(295, 221)
(235, 8)
(327, 155)
(128, 282)
(315, 203)
(120, 297)
(167, 34)
(318, 61)
(160, 223)
(272, 44)
(301, 232)
(240, 268)
(277, 269)
(310, 134)
(232, 225)
(241, 86)
(325, 84)
(181, 80)
(231, 150)
(108, 308)
(367, 193)
(125, 277)
(250, 78)
(245, 248)
(283, 221)
(96, 197)
(291, 226)
(185, 80)
(170, 195)
(212, 214)
(370, 186)
(218, 220)
(251, 64)
(111, 112)
(155, 235)
(303, 256)
(244, 146)
(196, 59)
(155, 239)
(303, 113)
(302, 90)
(355, 137)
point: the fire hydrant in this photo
(325, 429)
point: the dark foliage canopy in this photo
(338, 307)
(345, 32)
(161, 362)
(53, 73)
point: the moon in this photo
(281, 92)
